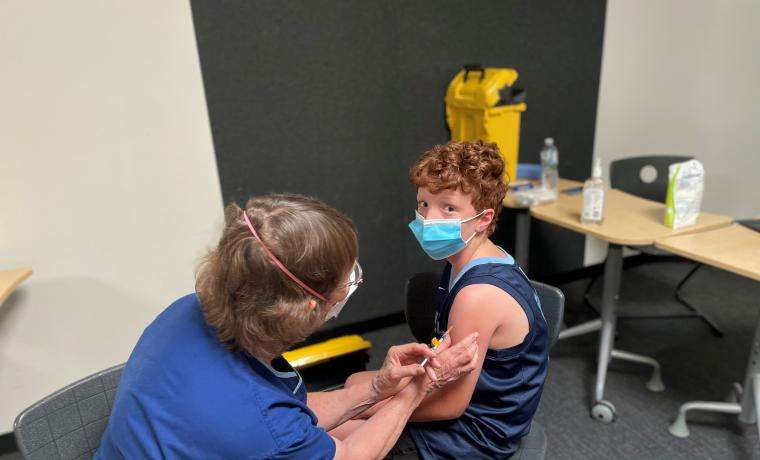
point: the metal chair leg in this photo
(748, 394)
(580, 329)
(679, 428)
(655, 382)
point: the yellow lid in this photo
(324, 351)
(480, 90)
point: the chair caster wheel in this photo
(604, 411)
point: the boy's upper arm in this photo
(476, 308)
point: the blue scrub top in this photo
(184, 395)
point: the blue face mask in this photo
(440, 238)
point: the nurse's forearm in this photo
(379, 433)
(335, 407)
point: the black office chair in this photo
(420, 304)
(752, 224)
(647, 177)
(420, 310)
(69, 423)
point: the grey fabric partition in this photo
(335, 99)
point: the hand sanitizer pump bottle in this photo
(593, 196)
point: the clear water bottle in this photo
(549, 166)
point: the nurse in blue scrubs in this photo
(207, 378)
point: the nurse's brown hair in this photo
(249, 302)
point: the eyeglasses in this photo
(356, 277)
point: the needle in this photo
(435, 346)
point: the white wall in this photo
(681, 77)
(108, 183)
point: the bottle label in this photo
(593, 205)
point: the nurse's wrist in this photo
(417, 389)
(374, 394)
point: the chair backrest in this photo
(753, 224)
(629, 174)
(420, 305)
(69, 423)
(553, 306)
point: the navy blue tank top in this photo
(509, 388)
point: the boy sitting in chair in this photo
(460, 188)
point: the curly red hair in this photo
(475, 167)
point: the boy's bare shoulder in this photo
(489, 309)
(483, 298)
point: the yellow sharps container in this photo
(482, 104)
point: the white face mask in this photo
(354, 280)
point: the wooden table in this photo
(629, 221)
(522, 220)
(735, 249)
(10, 279)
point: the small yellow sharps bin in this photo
(482, 104)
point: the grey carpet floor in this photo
(696, 366)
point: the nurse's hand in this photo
(401, 364)
(453, 361)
